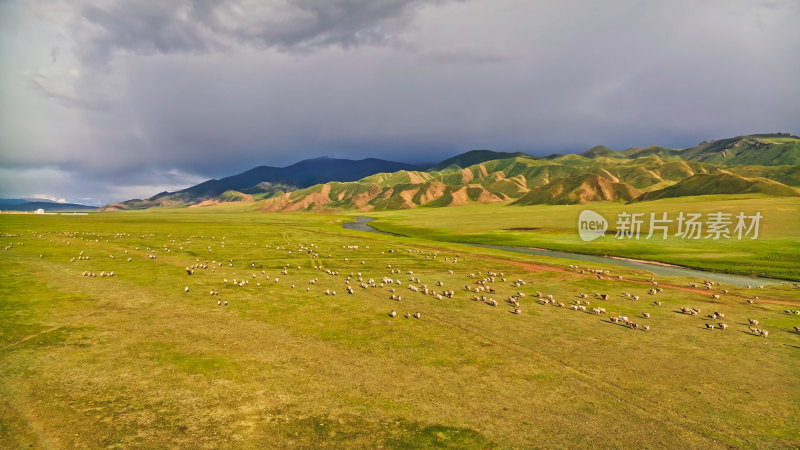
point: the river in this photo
(362, 224)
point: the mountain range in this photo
(32, 204)
(763, 163)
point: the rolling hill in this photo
(579, 189)
(284, 179)
(721, 182)
(471, 158)
(763, 163)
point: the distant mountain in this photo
(759, 149)
(773, 149)
(45, 205)
(18, 201)
(601, 151)
(565, 179)
(12, 201)
(473, 157)
(579, 189)
(761, 163)
(284, 179)
(721, 183)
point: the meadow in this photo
(775, 253)
(254, 349)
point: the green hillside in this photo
(722, 183)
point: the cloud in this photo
(49, 183)
(198, 26)
(111, 96)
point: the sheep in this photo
(186, 289)
(657, 303)
(646, 327)
(407, 315)
(797, 329)
(646, 315)
(722, 326)
(753, 322)
(764, 333)
(226, 303)
(416, 315)
(392, 313)
(219, 302)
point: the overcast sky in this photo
(109, 100)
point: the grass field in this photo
(775, 253)
(134, 360)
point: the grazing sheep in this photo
(407, 315)
(646, 315)
(764, 333)
(416, 315)
(186, 289)
(753, 321)
(392, 313)
(722, 326)
(226, 303)
(517, 311)
(710, 326)
(797, 329)
(219, 302)
(646, 327)
(657, 303)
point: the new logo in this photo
(591, 225)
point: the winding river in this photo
(362, 224)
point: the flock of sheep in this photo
(481, 286)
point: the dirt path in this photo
(27, 338)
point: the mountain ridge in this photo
(599, 173)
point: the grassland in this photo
(135, 361)
(775, 254)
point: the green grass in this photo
(775, 254)
(134, 361)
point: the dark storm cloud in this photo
(207, 25)
(119, 99)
